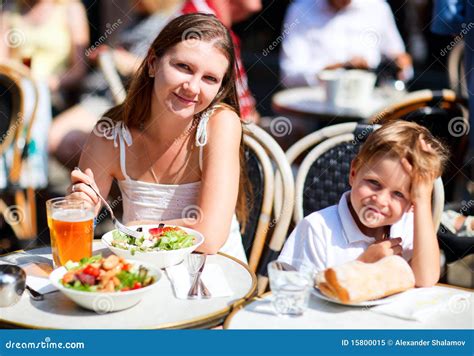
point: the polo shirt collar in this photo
(350, 229)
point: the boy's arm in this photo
(425, 261)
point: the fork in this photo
(121, 227)
(195, 264)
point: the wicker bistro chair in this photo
(445, 114)
(323, 175)
(457, 71)
(16, 121)
(265, 235)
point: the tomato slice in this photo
(137, 285)
(156, 231)
(92, 271)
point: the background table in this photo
(310, 102)
(321, 314)
(158, 309)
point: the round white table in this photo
(321, 314)
(310, 102)
(159, 309)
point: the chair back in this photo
(16, 87)
(456, 70)
(443, 113)
(11, 104)
(265, 160)
(324, 172)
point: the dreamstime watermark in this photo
(103, 304)
(466, 28)
(192, 214)
(191, 37)
(105, 128)
(14, 38)
(458, 126)
(110, 29)
(281, 126)
(104, 213)
(370, 37)
(11, 130)
(280, 38)
(14, 215)
(46, 344)
(459, 303)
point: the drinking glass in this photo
(72, 229)
(52, 239)
(290, 288)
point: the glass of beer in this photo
(72, 229)
(49, 216)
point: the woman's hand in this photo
(381, 249)
(80, 190)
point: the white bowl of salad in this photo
(160, 245)
(105, 284)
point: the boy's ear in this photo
(352, 173)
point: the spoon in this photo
(121, 227)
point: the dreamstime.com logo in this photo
(192, 214)
(281, 126)
(14, 38)
(14, 215)
(191, 37)
(458, 126)
(42, 345)
(104, 128)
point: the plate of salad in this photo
(160, 245)
(105, 284)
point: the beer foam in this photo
(73, 215)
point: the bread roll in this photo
(356, 281)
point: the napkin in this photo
(212, 276)
(421, 303)
(37, 277)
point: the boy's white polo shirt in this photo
(331, 237)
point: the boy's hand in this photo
(421, 185)
(381, 249)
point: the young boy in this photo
(386, 212)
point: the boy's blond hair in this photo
(401, 139)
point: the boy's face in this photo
(380, 192)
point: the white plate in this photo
(368, 303)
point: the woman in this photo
(175, 144)
(70, 128)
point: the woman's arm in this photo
(220, 180)
(98, 164)
(80, 39)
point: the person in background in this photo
(51, 37)
(331, 34)
(70, 129)
(386, 212)
(229, 13)
(175, 145)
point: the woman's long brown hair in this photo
(136, 109)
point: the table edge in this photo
(211, 319)
(228, 319)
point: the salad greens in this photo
(157, 239)
(111, 274)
